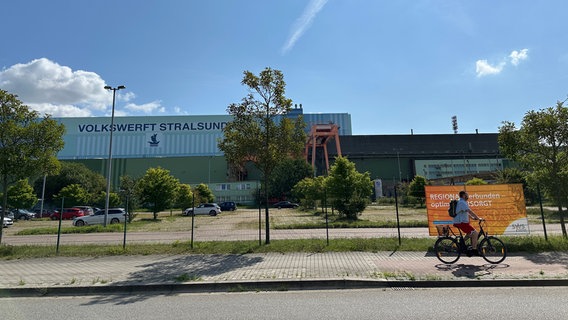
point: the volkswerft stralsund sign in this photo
(143, 127)
(142, 137)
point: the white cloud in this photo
(303, 23)
(58, 90)
(483, 68)
(178, 110)
(60, 110)
(49, 87)
(146, 108)
(518, 56)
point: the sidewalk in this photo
(166, 273)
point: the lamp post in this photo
(109, 166)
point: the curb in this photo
(279, 285)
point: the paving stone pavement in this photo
(220, 268)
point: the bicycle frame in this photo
(450, 246)
(480, 236)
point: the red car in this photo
(45, 214)
(68, 213)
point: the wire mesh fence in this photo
(243, 224)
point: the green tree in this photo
(475, 182)
(73, 194)
(184, 197)
(349, 189)
(73, 173)
(203, 194)
(99, 199)
(21, 195)
(157, 189)
(28, 144)
(286, 175)
(541, 146)
(256, 135)
(416, 188)
(309, 191)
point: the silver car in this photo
(7, 222)
(115, 215)
(211, 209)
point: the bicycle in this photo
(450, 247)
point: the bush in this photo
(350, 208)
(386, 201)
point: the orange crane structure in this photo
(319, 136)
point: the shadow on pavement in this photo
(177, 271)
(548, 258)
(470, 271)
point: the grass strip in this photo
(530, 244)
(68, 230)
(354, 224)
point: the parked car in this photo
(45, 214)
(228, 206)
(285, 204)
(211, 209)
(87, 210)
(7, 222)
(115, 215)
(68, 213)
(22, 214)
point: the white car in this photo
(115, 215)
(211, 209)
(7, 222)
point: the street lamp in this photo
(109, 167)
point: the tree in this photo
(309, 191)
(73, 173)
(99, 199)
(416, 188)
(286, 175)
(21, 195)
(157, 189)
(256, 135)
(28, 144)
(184, 197)
(72, 195)
(349, 189)
(203, 194)
(541, 146)
(475, 182)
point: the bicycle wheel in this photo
(493, 250)
(447, 250)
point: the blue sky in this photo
(395, 66)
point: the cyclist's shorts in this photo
(465, 227)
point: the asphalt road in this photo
(495, 303)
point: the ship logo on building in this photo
(154, 142)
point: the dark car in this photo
(285, 204)
(22, 214)
(228, 206)
(68, 213)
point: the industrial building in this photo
(187, 147)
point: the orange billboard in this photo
(502, 205)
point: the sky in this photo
(396, 66)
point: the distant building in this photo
(187, 147)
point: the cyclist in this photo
(461, 220)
